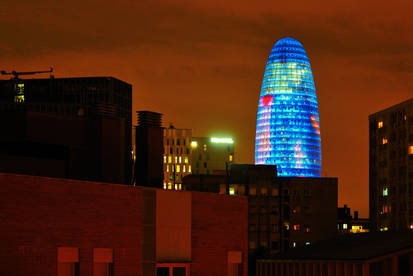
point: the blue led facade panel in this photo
(288, 125)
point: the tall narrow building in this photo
(288, 128)
(177, 156)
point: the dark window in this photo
(205, 164)
(178, 142)
(179, 271)
(162, 271)
(275, 245)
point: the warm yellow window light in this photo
(380, 124)
(194, 144)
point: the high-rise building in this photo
(149, 150)
(177, 156)
(391, 167)
(288, 127)
(211, 154)
(67, 127)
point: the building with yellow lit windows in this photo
(391, 167)
(177, 156)
(211, 154)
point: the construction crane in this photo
(17, 74)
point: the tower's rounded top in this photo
(288, 49)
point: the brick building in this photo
(52, 226)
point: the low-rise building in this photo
(51, 226)
(348, 224)
(375, 254)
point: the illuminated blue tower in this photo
(288, 126)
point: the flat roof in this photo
(404, 103)
(351, 247)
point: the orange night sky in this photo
(201, 63)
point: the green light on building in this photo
(222, 140)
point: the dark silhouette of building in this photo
(283, 213)
(375, 254)
(149, 150)
(67, 127)
(52, 226)
(346, 223)
(391, 167)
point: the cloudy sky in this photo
(201, 63)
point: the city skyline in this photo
(202, 66)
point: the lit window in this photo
(231, 190)
(384, 141)
(164, 186)
(230, 158)
(385, 191)
(385, 228)
(169, 159)
(180, 159)
(164, 158)
(19, 99)
(294, 244)
(410, 150)
(253, 191)
(194, 144)
(296, 227)
(263, 191)
(169, 186)
(411, 226)
(307, 229)
(167, 168)
(307, 243)
(178, 168)
(180, 186)
(184, 168)
(189, 168)
(186, 160)
(345, 226)
(176, 159)
(173, 168)
(176, 186)
(380, 124)
(205, 147)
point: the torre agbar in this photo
(288, 128)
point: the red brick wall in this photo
(40, 214)
(222, 227)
